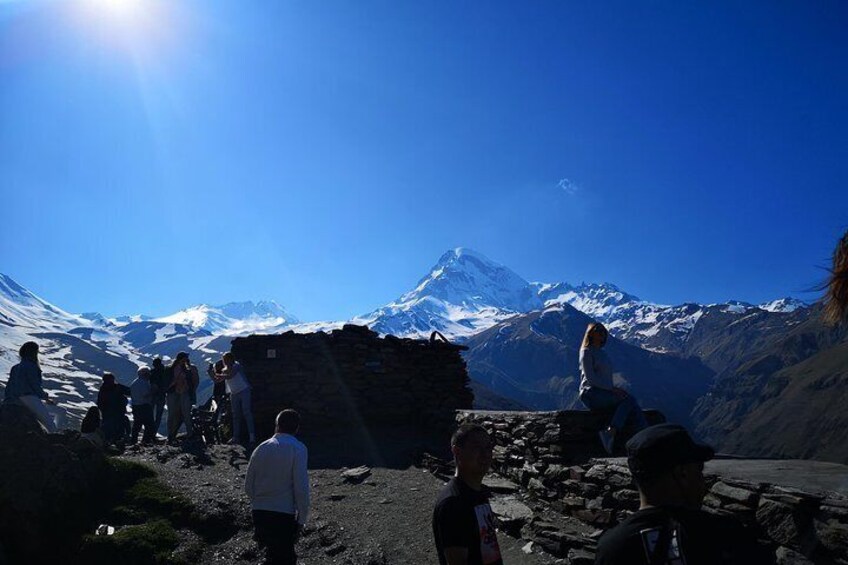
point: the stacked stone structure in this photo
(539, 451)
(352, 378)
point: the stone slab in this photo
(809, 476)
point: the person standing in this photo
(194, 381)
(240, 401)
(463, 521)
(670, 528)
(25, 386)
(179, 397)
(160, 384)
(597, 391)
(277, 484)
(141, 395)
(112, 401)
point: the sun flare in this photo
(145, 27)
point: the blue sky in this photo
(155, 155)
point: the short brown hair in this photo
(464, 431)
(288, 421)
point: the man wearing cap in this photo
(670, 528)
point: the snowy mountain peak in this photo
(467, 278)
(248, 309)
(21, 307)
(601, 301)
(787, 305)
(465, 292)
(233, 318)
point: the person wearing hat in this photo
(670, 528)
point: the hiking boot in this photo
(607, 440)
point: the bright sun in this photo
(122, 8)
(144, 26)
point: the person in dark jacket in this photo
(159, 384)
(670, 528)
(24, 386)
(112, 401)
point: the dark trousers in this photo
(276, 533)
(158, 410)
(143, 416)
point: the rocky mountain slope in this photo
(533, 358)
(774, 380)
(518, 351)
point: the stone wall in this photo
(802, 527)
(47, 488)
(525, 439)
(351, 377)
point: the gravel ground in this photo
(384, 519)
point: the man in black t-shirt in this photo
(670, 528)
(463, 522)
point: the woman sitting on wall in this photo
(597, 391)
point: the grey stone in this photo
(580, 557)
(500, 485)
(833, 535)
(786, 556)
(511, 512)
(735, 494)
(356, 475)
(780, 522)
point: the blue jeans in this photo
(626, 408)
(240, 404)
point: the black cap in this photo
(662, 447)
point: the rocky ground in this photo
(380, 516)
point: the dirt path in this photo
(385, 519)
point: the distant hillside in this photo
(800, 411)
(764, 361)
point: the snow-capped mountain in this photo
(119, 320)
(600, 301)
(653, 326)
(783, 305)
(20, 307)
(464, 293)
(75, 350)
(234, 318)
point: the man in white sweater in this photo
(278, 487)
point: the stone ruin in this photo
(352, 378)
(570, 492)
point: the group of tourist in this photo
(174, 386)
(666, 464)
